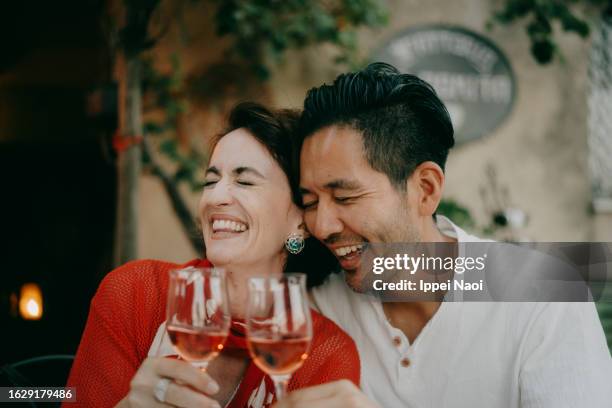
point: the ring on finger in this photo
(161, 388)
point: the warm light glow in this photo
(32, 308)
(30, 302)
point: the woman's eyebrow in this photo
(241, 170)
(213, 170)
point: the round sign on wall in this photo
(470, 74)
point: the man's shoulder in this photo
(333, 282)
(523, 319)
(334, 293)
(353, 312)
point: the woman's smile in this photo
(225, 226)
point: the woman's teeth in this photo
(343, 251)
(227, 225)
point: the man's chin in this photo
(356, 281)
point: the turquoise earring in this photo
(294, 243)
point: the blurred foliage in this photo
(262, 28)
(134, 37)
(163, 92)
(261, 32)
(541, 17)
(457, 213)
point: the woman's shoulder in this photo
(326, 331)
(132, 298)
(141, 273)
(139, 281)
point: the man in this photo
(372, 172)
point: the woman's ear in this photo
(304, 231)
(296, 221)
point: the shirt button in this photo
(405, 362)
(397, 341)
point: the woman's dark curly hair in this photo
(276, 131)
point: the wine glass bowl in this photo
(279, 326)
(197, 313)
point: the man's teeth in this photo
(342, 251)
(228, 225)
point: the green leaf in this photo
(539, 27)
(572, 23)
(169, 148)
(543, 50)
(276, 26)
(152, 128)
(183, 174)
(458, 213)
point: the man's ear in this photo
(427, 181)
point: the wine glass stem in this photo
(280, 385)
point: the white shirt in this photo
(477, 354)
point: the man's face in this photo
(348, 203)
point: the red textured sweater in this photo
(125, 315)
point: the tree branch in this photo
(178, 203)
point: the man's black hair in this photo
(402, 121)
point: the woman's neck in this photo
(237, 281)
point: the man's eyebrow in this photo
(240, 170)
(304, 191)
(213, 170)
(342, 184)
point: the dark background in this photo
(56, 171)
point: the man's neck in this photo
(431, 233)
(411, 317)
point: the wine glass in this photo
(197, 313)
(279, 326)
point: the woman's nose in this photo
(220, 194)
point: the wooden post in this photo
(129, 158)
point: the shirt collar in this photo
(450, 229)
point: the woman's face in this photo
(246, 209)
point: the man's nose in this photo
(327, 222)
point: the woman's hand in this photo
(188, 386)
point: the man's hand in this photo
(341, 393)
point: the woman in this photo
(249, 207)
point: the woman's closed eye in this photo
(244, 182)
(209, 183)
